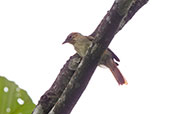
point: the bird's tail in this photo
(116, 72)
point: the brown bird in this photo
(82, 43)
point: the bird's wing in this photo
(90, 38)
(114, 55)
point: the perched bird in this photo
(81, 44)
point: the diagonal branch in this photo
(75, 75)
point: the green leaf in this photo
(14, 100)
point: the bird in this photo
(81, 44)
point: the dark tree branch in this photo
(51, 96)
(74, 77)
(132, 10)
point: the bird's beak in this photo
(65, 42)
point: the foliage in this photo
(14, 100)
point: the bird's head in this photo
(72, 37)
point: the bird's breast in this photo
(82, 46)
